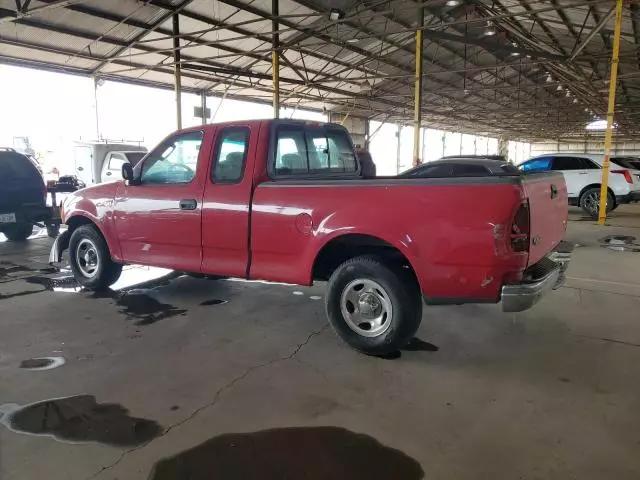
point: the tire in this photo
(90, 259)
(53, 230)
(389, 294)
(589, 201)
(19, 232)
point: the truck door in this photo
(158, 221)
(225, 211)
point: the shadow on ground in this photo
(310, 453)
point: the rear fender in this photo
(341, 224)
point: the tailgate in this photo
(548, 210)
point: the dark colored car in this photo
(462, 167)
(22, 195)
(500, 158)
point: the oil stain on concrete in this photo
(80, 419)
(42, 363)
(310, 453)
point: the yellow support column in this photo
(275, 58)
(417, 103)
(602, 214)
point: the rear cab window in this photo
(312, 151)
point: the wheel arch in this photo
(341, 248)
(79, 219)
(598, 186)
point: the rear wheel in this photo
(90, 259)
(19, 232)
(375, 307)
(590, 202)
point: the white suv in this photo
(583, 173)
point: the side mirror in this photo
(127, 172)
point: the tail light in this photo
(521, 229)
(626, 173)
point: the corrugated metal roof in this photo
(362, 64)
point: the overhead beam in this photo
(603, 21)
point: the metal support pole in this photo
(95, 99)
(602, 214)
(275, 58)
(417, 101)
(177, 69)
(398, 134)
(203, 105)
(367, 132)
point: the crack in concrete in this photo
(611, 340)
(217, 396)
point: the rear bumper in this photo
(546, 275)
(28, 215)
(629, 197)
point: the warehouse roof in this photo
(530, 69)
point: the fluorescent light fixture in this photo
(336, 14)
(452, 3)
(490, 30)
(599, 124)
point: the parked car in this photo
(583, 174)
(260, 200)
(462, 167)
(99, 162)
(22, 195)
(500, 158)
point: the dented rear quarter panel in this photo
(453, 232)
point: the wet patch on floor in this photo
(144, 309)
(42, 363)
(80, 419)
(620, 243)
(8, 271)
(312, 453)
(215, 301)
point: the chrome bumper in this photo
(60, 244)
(548, 274)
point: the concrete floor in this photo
(168, 383)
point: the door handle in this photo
(80, 169)
(109, 174)
(188, 204)
(554, 191)
(583, 173)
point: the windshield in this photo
(632, 163)
(134, 157)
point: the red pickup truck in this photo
(285, 201)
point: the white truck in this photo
(98, 162)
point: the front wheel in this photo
(374, 307)
(590, 202)
(90, 259)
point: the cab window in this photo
(230, 155)
(174, 161)
(313, 151)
